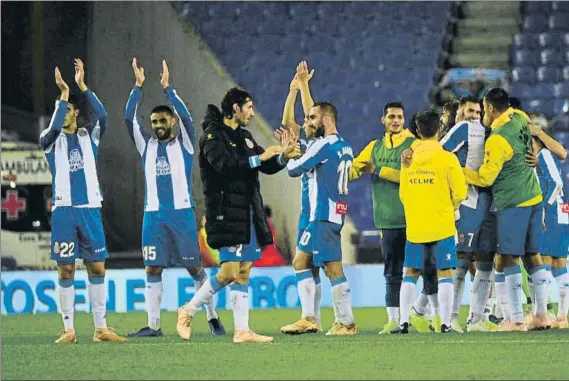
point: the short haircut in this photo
(413, 126)
(327, 108)
(467, 99)
(232, 96)
(71, 100)
(162, 108)
(392, 105)
(428, 123)
(515, 103)
(498, 98)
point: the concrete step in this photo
(487, 21)
(501, 29)
(495, 8)
(496, 60)
(482, 41)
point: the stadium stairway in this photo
(484, 34)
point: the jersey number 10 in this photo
(344, 175)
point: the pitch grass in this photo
(28, 352)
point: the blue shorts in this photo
(444, 252)
(77, 233)
(323, 240)
(242, 253)
(170, 239)
(473, 235)
(304, 239)
(555, 241)
(519, 230)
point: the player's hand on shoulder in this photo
(406, 157)
(138, 73)
(531, 159)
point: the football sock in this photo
(153, 296)
(67, 301)
(98, 298)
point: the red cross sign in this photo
(13, 205)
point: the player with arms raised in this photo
(77, 228)
(169, 232)
(327, 162)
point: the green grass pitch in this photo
(28, 351)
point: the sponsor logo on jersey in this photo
(341, 208)
(75, 160)
(162, 166)
(565, 207)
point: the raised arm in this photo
(98, 124)
(184, 117)
(288, 119)
(50, 134)
(551, 182)
(551, 144)
(134, 128)
(303, 78)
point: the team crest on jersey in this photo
(82, 132)
(162, 166)
(232, 249)
(75, 160)
(249, 143)
(56, 248)
(461, 238)
(448, 256)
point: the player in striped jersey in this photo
(169, 232)
(308, 276)
(555, 236)
(476, 225)
(77, 228)
(327, 162)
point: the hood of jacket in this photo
(426, 151)
(212, 117)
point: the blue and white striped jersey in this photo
(555, 201)
(327, 162)
(167, 165)
(466, 140)
(73, 157)
(304, 195)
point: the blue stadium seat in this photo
(561, 90)
(566, 56)
(565, 39)
(543, 91)
(523, 74)
(531, 7)
(526, 40)
(539, 105)
(563, 138)
(559, 21)
(548, 74)
(559, 6)
(535, 23)
(552, 40)
(561, 123)
(525, 58)
(565, 73)
(560, 106)
(550, 57)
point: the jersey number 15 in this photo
(343, 176)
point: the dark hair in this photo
(413, 126)
(268, 211)
(427, 123)
(515, 103)
(498, 98)
(232, 96)
(327, 108)
(467, 99)
(392, 105)
(452, 108)
(71, 100)
(162, 108)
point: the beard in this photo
(318, 131)
(163, 133)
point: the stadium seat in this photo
(565, 73)
(559, 6)
(544, 91)
(559, 21)
(548, 74)
(535, 23)
(549, 57)
(531, 7)
(565, 39)
(566, 57)
(562, 137)
(552, 40)
(523, 75)
(526, 40)
(561, 123)
(560, 106)
(525, 58)
(521, 90)
(561, 90)
(541, 106)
